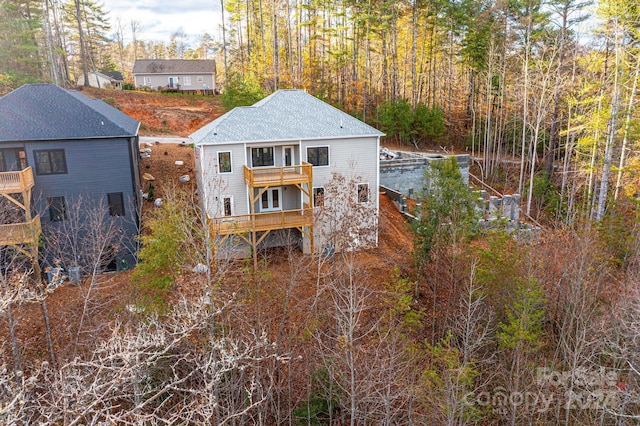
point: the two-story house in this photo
(262, 170)
(59, 148)
(175, 74)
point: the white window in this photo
(363, 193)
(270, 200)
(224, 162)
(186, 80)
(227, 206)
(147, 81)
(318, 155)
(200, 79)
(318, 197)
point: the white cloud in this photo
(160, 19)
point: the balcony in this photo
(278, 176)
(15, 182)
(261, 221)
(20, 233)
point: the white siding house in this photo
(259, 167)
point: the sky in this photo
(159, 19)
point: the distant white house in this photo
(103, 80)
(262, 171)
(175, 74)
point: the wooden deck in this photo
(20, 233)
(261, 222)
(278, 176)
(15, 182)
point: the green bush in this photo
(241, 91)
(428, 123)
(395, 119)
(128, 86)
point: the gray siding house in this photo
(175, 74)
(262, 172)
(77, 150)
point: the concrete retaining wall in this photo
(405, 172)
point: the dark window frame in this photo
(57, 209)
(3, 162)
(262, 157)
(318, 196)
(317, 158)
(220, 162)
(115, 201)
(364, 195)
(50, 161)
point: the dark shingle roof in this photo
(284, 115)
(116, 75)
(36, 112)
(174, 66)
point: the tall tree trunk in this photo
(224, 42)
(627, 129)
(83, 54)
(611, 133)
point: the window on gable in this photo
(318, 197)
(262, 157)
(363, 193)
(318, 155)
(57, 209)
(116, 204)
(50, 162)
(224, 162)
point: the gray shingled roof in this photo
(116, 75)
(36, 112)
(284, 115)
(174, 66)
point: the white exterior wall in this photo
(349, 157)
(163, 80)
(95, 80)
(216, 186)
(354, 158)
(357, 160)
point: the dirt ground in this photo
(159, 114)
(114, 291)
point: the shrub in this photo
(241, 91)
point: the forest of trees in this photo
(479, 328)
(550, 84)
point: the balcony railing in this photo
(13, 182)
(289, 175)
(20, 233)
(261, 221)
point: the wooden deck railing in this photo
(13, 182)
(261, 221)
(278, 175)
(20, 233)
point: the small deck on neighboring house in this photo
(16, 182)
(20, 233)
(24, 236)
